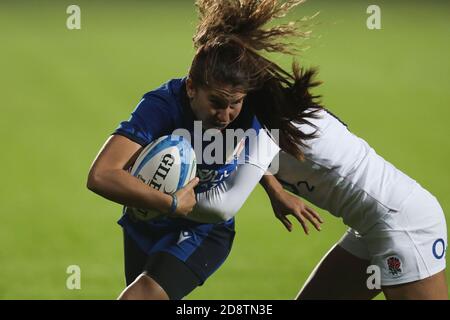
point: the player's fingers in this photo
(300, 219)
(311, 219)
(314, 214)
(285, 221)
(193, 183)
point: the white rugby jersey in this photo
(344, 175)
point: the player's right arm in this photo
(109, 178)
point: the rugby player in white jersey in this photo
(395, 224)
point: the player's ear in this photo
(190, 88)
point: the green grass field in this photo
(64, 91)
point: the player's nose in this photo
(223, 116)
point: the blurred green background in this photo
(64, 91)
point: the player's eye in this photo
(218, 103)
(235, 103)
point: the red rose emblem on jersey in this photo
(395, 265)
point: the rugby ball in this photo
(167, 164)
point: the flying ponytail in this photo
(230, 40)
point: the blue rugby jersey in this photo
(166, 109)
(159, 113)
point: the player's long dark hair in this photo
(230, 39)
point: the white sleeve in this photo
(224, 201)
(262, 150)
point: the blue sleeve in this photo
(151, 119)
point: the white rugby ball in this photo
(167, 164)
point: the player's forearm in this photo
(271, 185)
(121, 187)
(224, 201)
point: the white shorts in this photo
(407, 245)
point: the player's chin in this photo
(217, 126)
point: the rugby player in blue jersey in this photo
(168, 257)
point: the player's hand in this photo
(284, 204)
(186, 198)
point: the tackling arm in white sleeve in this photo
(224, 201)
